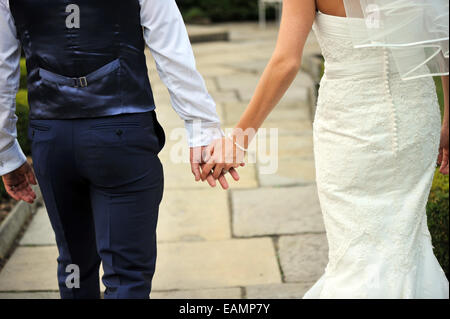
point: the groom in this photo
(95, 136)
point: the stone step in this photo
(201, 34)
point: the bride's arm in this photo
(444, 149)
(296, 23)
(446, 99)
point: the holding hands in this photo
(221, 157)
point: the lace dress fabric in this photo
(376, 143)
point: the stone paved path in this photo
(264, 238)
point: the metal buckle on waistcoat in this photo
(80, 82)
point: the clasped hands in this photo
(212, 163)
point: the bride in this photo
(376, 138)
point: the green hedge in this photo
(22, 110)
(22, 122)
(219, 11)
(438, 206)
(438, 219)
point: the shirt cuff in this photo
(11, 159)
(202, 134)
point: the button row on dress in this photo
(391, 102)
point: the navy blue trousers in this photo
(102, 183)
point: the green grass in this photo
(438, 219)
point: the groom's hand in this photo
(196, 159)
(222, 156)
(18, 183)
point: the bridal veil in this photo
(415, 31)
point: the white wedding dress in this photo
(376, 144)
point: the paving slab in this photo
(211, 70)
(291, 171)
(12, 225)
(179, 175)
(170, 120)
(253, 66)
(303, 258)
(293, 95)
(221, 59)
(246, 84)
(181, 266)
(276, 211)
(40, 231)
(287, 146)
(224, 293)
(30, 269)
(199, 34)
(204, 49)
(278, 291)
(29, 295)
(248, 178)
(238, 81)
(289, 127)
(194, 215)
(251, 31)
(287, 112)
(224, 96)
(231, 263)
(210, 82)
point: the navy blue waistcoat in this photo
(91, 69)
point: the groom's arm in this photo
(11, 155)
(167, 38)
(17, 175)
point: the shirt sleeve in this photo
(11, 155)
(168, 40)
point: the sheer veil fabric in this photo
(415, 31)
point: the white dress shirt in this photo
(167, 38)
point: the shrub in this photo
(218, 11)
(438, 205)
(23, 74)
(438, 219)
(196, 15)
(22, 111)
(3, 194)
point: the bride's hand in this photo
(443, 160)
(222, 156)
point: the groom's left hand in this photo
(18, 183)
